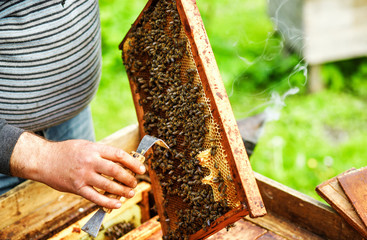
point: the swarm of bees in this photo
(118, 230)
(159, 62)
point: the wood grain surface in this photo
(354, 185)
(332, 193)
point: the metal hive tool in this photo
(204, 182)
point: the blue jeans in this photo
(79, 127)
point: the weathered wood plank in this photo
(15, 203)
(52, 218)
(334, 30)
(333, 194)
(304, 211)
(149, 230)
(31, 208)
(241, 230)
(354, 185)
(127, 138)
(283, 227)
(271, 236)
(156, 236)
(145, 208)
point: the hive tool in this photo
(94, 223)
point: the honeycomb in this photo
(118, 230)
(194, 174)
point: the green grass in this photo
(317, 135)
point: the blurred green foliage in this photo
(346, 76)
(317, 135)
(113, 107)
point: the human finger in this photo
(116, 171)
(92, 195)
(118, 155)
(111, 186)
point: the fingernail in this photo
(142, 169)
(118, 205)
(131, 194)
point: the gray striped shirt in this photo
(50, 60)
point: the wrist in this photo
(26, 159)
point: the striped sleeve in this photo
(9, 136)
(50, 60)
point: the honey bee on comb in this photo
(172, 105)
(118, 230)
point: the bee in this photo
(216, 165)
(213, 150)
(224, 189)
(197, 198)
(215, 180)
(229, 178)
(220, 186)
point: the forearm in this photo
(28, 153)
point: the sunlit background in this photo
(312, 92)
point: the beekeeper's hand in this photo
(76, 166)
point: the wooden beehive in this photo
(35, 211)
(322, 30)
(204, 182)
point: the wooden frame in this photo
(215, 91)
(244, 180)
